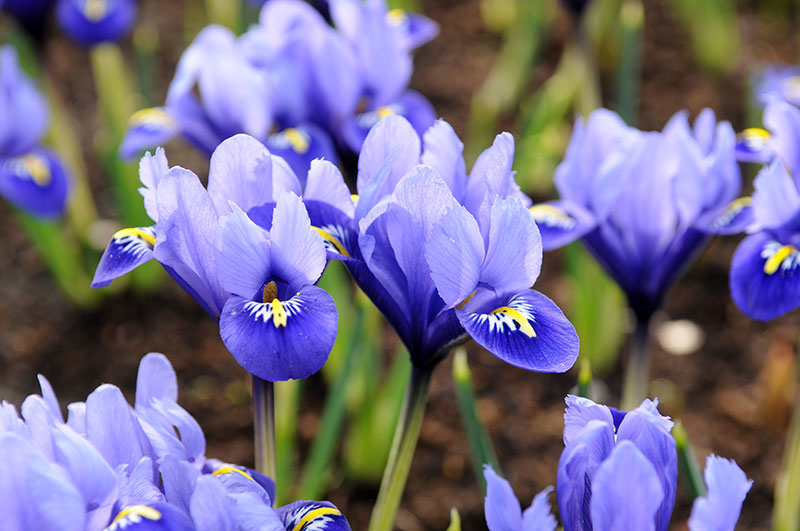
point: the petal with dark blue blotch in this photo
(155, 379)
(576, 469)
(281, 340)
(34, 493)
(501, 507)
(626, 492)
(580, 412)
(764, 277)
(127, 250)
(753, 145)
(151, 517)
(313, 516)
(148, 128)
(240, 171)
(528, 330)
(455, 241)
(297, 252)
(646, 428)
(538, 516)
(36, 182)
(561, 222)
(90, 23)
(736, 217)
(242, 254)
(727, 488)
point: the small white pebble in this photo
(680, 337)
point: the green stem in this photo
(264, 426)
(585, 378)
(403, 446)
(637, 368)
(287, 406)
(327, 439)
(480, 444)
(690, 468)
(631, 22)
(786, 513)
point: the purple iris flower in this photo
(218, 92)
(444, 256)
(257, 281)
(778, 141)
(644, 203)
(110, 467)
(31, 176)
(503, 512)
(618, 471)
(90, 22)
(762, 279)
(777, 83)
(382, 41)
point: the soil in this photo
(733, 396)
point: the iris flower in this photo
(777, 83)
(618, 471)
(216, 93)
(293, 81)
(110, 467)
(91, 22)
(258, 282)
(762, 279)
(31, 176)
(444, 256)
(644, 203)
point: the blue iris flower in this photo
(293, 81)
(218, 92)
(644, 203)
(762, 279)
(444, 256)
(91, 22)
(618, 471)
(257, 281)
(110, 466)
(777, 83)
(31, 177)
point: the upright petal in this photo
(502, 509)
(626, 492)
(514, 250)
(727, 487)
(576, 470)
(538, 516)
(152, 168)
(443, 151)
(287, 340)
(579, 413)
(776, 199)
(526, 330)
(242, 254)
(112, 428)
(326, 184)
(241, 172)
(297, 251)
(455, 240)
(156, 379)
(392, 136)
(783, 120)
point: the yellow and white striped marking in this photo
(313, 518)
(551, 216)
(133, 515)
(779, 257)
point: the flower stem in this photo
(264, 426)
(403, 446)
(637, 369)
(786, 513)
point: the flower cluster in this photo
(111, 466)
(442, 255)
(619, 471)
(31, 177)
(645, 202)
(254, 275)
(293, 81)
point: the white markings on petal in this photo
(779, 257)
(517, 316)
